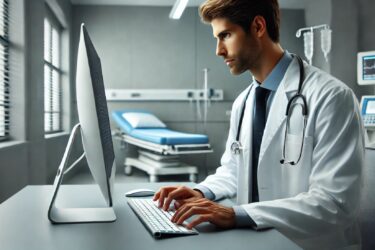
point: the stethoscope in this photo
(236, 147)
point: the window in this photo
(52, 75)
(4, 70)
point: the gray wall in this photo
(352, 23)
(344, 44)
(141, 48)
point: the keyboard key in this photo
(157, 221)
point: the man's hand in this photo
(206, 211)
(179, 193)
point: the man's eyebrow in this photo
(221, 33)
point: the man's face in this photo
(239, 49)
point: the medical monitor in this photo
(366, 68)
(96, 137)
(368, 111)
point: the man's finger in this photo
(156, 195)
(185, 207)
(163, 193)
(199, 220)
(182, 209)
(175, 194)
(179, 202)
(192, 211)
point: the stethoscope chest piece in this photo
(236, 148)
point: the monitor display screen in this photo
(370, 107)
(368, 67)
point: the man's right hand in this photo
(178, 193)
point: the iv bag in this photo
(308, 38)
(326, 38)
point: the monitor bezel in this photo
(360, 57)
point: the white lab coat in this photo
(315, 202)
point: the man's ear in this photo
(259, 26)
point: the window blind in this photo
(52, 75)
(4, 70)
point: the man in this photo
(305, 183)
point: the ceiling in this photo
(286, 4)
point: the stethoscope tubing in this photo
(236, 145)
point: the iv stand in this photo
(309, 40)
(299, 32)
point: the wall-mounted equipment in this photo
(164, 94)
(308, 38)
(366, 68)
(368, 117)
(366, 76)
(178, 8)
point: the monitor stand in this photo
(59, 215)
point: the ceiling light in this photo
(177, 9)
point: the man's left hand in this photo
(206, 211)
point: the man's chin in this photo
(235, 71)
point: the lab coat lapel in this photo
(246, 139)
(276, 116)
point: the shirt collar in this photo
(274, 79)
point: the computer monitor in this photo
(96, 138)
(366, 68)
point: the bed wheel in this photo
(193, 177)
(153, 178)
(128, 170)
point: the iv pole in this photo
(326, 33)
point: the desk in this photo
(24, 225)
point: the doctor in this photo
(299, 173)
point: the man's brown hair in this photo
(242, 12)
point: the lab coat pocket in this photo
(293, 147)
(298, 149)
(297, 176)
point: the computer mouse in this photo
(142, 192)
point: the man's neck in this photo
(270, 56)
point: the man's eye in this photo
(224, 36)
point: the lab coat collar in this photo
(291, 77)
(274, 79)
(278, 107)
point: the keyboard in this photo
(157, 221)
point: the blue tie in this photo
(259, 122)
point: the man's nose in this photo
(220, 50)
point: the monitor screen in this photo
(368, 63)
(366, 68)
(370, 107)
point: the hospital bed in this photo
(159, 148)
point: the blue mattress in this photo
(162, 136)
